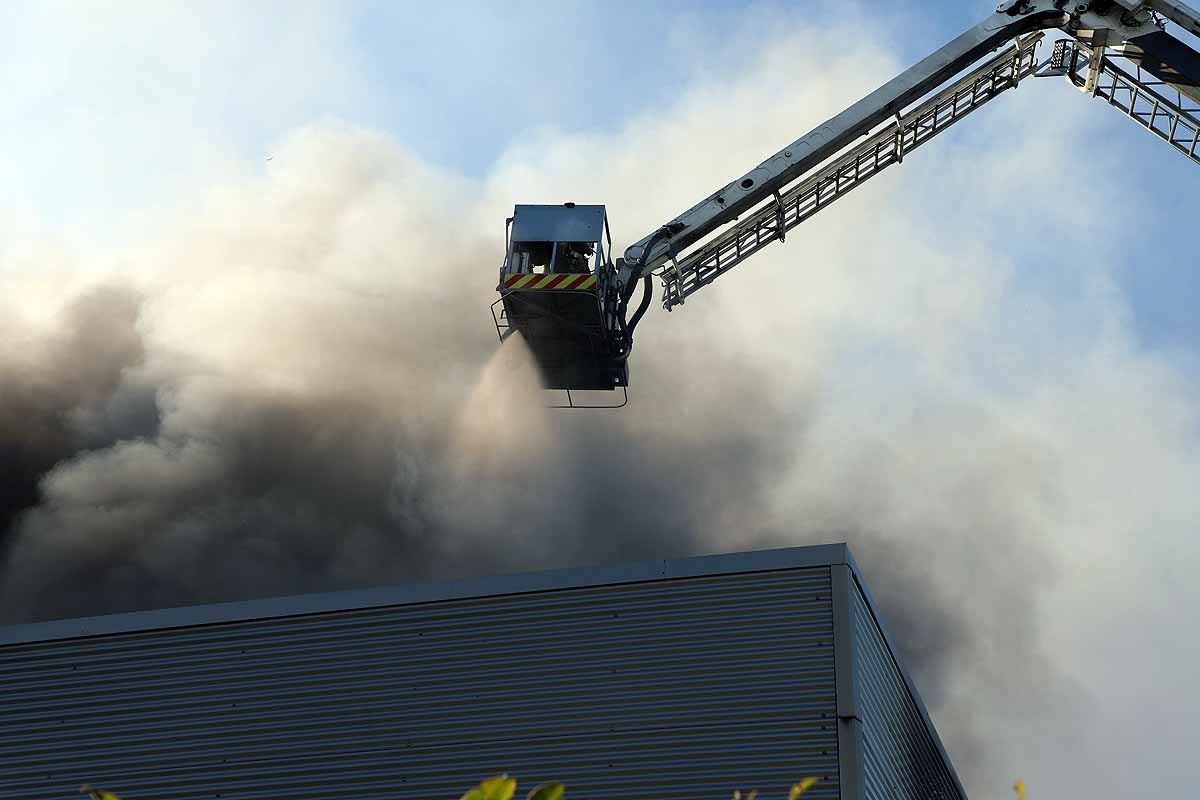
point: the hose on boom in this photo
(647, 291)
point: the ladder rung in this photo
(837, 178)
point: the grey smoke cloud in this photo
(314, 428)
(293, 385)
(65, 390)
(320, 421)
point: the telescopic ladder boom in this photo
(1012, 20)
(579, 324)
(887, 146)
(825, 163)
(1167, 113)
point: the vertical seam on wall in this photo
(849, 725)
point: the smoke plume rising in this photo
(294, 386)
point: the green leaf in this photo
(500, 787)
(474, 794)
(801, 787)
(547, 791)
(97, 794)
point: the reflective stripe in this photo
(535, 281)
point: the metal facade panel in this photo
(819, 555)
(902, 759)
(688, 687)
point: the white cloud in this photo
(116, 109)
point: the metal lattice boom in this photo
(887, 146)
(1143, 99)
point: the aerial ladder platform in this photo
(561, 290)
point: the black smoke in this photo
(66, 391)
(140, 490)
(310, 398)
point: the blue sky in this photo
(116, 114)
(582, 66)
(591, 66)
(461, 83)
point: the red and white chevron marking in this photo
(560, 282)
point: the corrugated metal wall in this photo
(901, 760)
(682, 688)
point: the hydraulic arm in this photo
(1161, 92)
(1115, 22)
(770, 222)
(1160, 108)
(795, 160)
